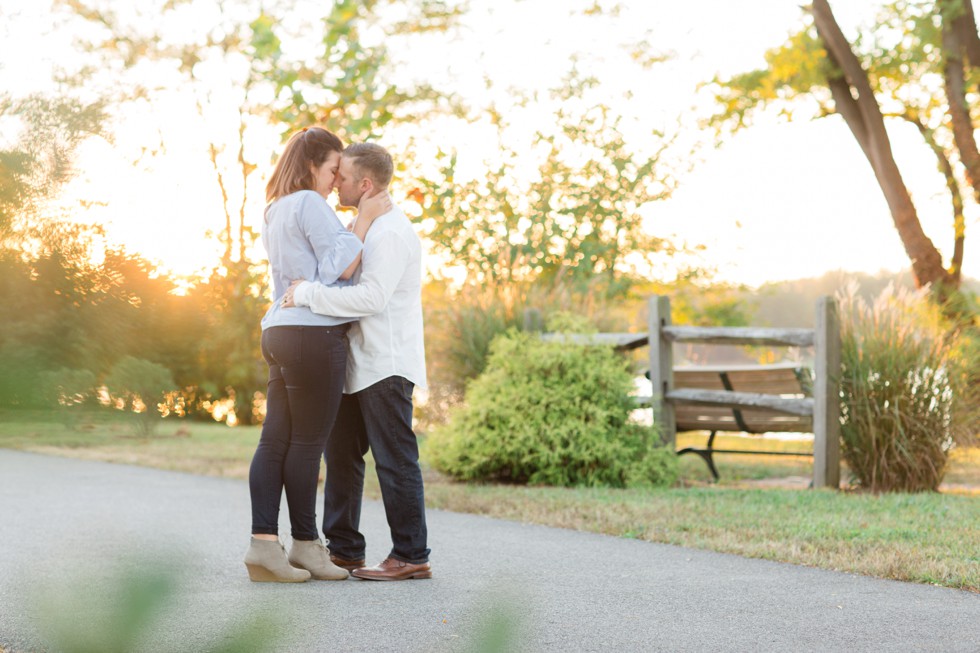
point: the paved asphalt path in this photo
(64, 519)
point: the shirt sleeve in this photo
(381, 271)
(301, 293)
(335, 247)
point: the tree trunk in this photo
(964, 23)
(863, 116)
(954, 50)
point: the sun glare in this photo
(756, 205)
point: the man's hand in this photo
(287, 299)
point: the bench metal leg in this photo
(706, 455)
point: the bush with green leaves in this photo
(141, 385)
(21, 367)
(550, 413)
(67, 391)
(66, 387)
(905, 390)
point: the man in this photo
(387, 360)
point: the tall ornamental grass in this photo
(905, 390)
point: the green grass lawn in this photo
(757, 510)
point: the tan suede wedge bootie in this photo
(315, 558)
(267, 563)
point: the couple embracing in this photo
(344, 345)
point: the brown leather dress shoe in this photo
(344, 563)
(392, 569)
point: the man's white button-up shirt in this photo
(387, 298)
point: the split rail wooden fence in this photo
(816, 408)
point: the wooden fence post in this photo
(826, 395)
(661, 369)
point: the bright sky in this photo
(778, 201)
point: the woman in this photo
(306, 354)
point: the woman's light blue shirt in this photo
(305, 240)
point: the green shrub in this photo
(66, 391)
(141, 385)
(66, 387)
(21, 367)
(553, 414)
(904, 391)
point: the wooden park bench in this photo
(750, 399)
(785, 380)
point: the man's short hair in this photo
(372, 161)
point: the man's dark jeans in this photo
(307, 365)
(379, 417)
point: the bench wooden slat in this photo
(697, 379)
(694, 412)
(770, 388)
(731, 426)
(694, 417)
(688, 411)
(781, 380)
(762, 386)
(753, 367)
(796, 406)
(787, 377)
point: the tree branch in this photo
(955, 87)
(927, 262)
(246, 169)
(848, 109)
(946, 168)
(965, 26)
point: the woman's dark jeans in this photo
(307, 365)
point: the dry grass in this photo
(964, 469)
(924, 538)
(928, 537)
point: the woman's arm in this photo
(368, 210)
(333, 246)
